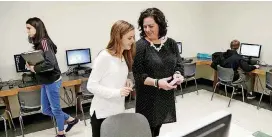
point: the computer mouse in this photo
(10, 86)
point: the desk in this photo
(261, 71)
(66, 82)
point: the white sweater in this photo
(108, 76)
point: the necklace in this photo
(163, 40)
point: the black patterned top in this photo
(157, 105)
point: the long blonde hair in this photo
(118, 30)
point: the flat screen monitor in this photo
(250, 50)
(78, 56)
(215, 125)
(20, 63)
(179, 44)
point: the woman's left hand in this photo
(179, 78)
(31, 68)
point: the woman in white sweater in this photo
(108, 80)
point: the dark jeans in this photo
(96, 125)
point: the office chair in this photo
(189, 73)
(85, 96)
(225, 77)
(30, 103)
(268, 85)
(3, 110)
(125, 125)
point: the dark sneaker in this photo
(71, 124)
(237, 92)
(60, 136)
(250, 96)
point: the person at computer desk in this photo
(108, 80)
(157, 70)
(48, 74)
(235, 61)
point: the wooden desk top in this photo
(76, 80)
(260, 71)
(66, 82)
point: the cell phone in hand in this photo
(173, 82)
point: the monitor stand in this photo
(252, 61)
(78, 67)
(79, 70)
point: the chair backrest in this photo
(189, 69)
(225, 74)
(30, 99)
(126, 125)
(269, 80)
(84, 90)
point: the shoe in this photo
(250, 96)
(60, 136)
(237, 92)
(71, 124)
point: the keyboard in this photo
(86, 75)
(22, 85)
(187, 61)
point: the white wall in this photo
(201, 26)
(87, 24)
(249, 22)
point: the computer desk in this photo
(75, 81)
(67, 81)
(261, 71)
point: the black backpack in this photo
(217, 59)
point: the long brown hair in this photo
(118, 30)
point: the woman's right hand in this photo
(125, 91)
(163, 83)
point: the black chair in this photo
(189, 73)
(268, 85)
(30, 103)
(125, 125)
(225, 77)
(85, 97)
(3, 111)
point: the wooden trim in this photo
(204, 62)
(14, 91)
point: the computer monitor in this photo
(250, 50)
(179, 44)
(78, 56)
(215, 125)
(20, 63)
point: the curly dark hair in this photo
(159, 19)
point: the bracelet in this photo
(157, 83)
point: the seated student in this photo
(234, 60)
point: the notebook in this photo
(33, 57)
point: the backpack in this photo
(217, 59)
